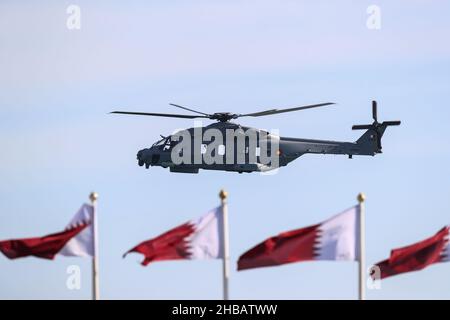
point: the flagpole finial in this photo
(223, 195)
(361, 197)
(93, 196)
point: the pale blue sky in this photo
(58, 142)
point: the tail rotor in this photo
(377, 127)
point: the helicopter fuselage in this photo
(259, 150)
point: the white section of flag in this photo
(206, 242)
(338, 237)
(82, 245)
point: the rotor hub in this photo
(223, 116)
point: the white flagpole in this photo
(362, 248)
(225, 245)
(95, 281)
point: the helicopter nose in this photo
(139, 158)
(148, 157)
(142, 156)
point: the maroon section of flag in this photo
(172, 245)
(415, 257)
(291, 246)
(44, 247)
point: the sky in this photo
(58, 142)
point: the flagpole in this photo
(95, 281)
(225, 246)
(362, 247)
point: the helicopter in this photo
(248, 149)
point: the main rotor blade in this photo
(192, 110)
(275, 111)
(170, 115)
(392, 123)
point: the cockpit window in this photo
(165, 143)
(160, 142)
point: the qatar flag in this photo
(334, 239)
(416, 256)
(75, 240)
(201, 238)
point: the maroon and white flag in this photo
(416, 256)
(334, 239)
(75, 240)
(201, 238)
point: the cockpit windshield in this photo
(164, 143)
(160, 142)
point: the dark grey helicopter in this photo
(228, 146)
